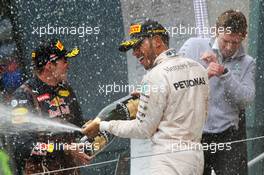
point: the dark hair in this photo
(37, 70)
(165, 39)
(234, 20)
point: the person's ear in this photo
(244, 35)
(157, 41)
(49, 65)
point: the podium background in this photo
(100, 64)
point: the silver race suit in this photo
(171, 112)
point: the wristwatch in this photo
(225, 71)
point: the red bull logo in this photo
(56, 102)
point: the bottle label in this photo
(124, 107)
(132, 107)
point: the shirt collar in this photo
(215, 47)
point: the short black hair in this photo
(165, 39)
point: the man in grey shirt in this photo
(232, 87)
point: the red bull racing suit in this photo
(58, 102)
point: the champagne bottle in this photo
(122, 109)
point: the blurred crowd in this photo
(10, 68)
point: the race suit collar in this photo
(164, 55)
(38, 86)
